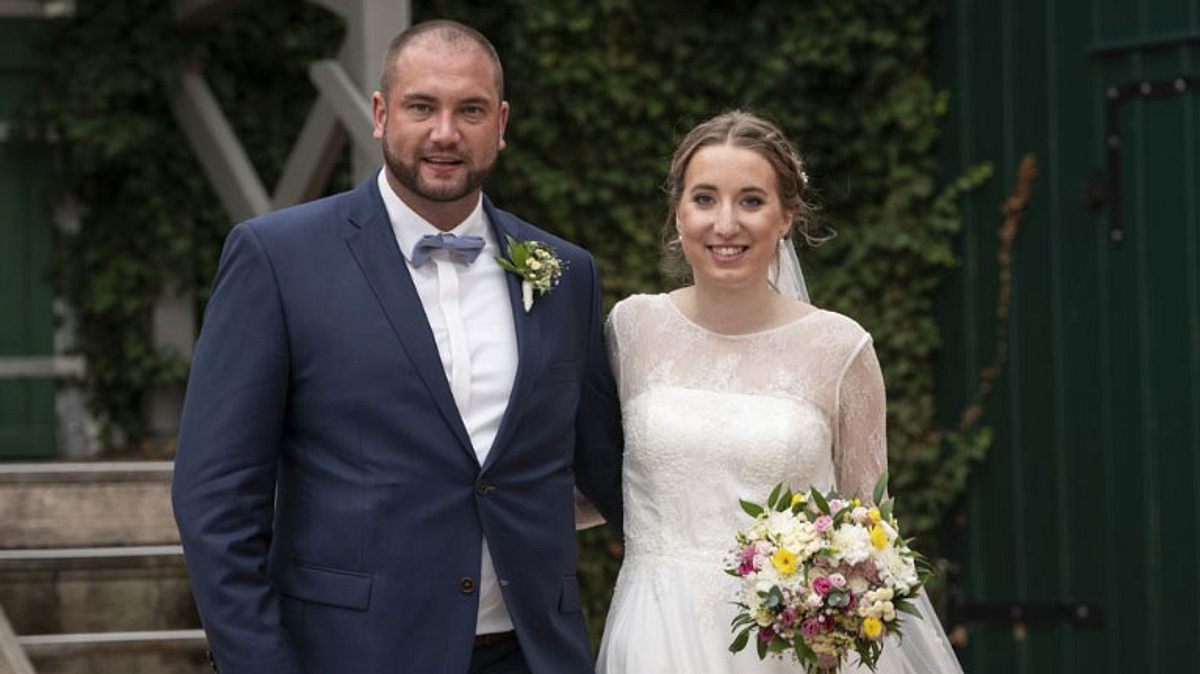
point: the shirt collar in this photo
(410, 227)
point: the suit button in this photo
(467, 585)
(483, 489)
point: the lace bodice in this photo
(711, 418)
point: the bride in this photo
(727, 387)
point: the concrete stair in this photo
(91, 572)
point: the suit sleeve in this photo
(599, 442)
(225, 469)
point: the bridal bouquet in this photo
(822, 575)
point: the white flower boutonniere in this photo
(537, 266)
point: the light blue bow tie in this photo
(462, 248)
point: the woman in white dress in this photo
(729, 386)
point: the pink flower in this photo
(787, 617)
(821, 585)
(810, 628)
(837, 579)
(836, 505)
(766, 633)
(826, 622)
(746, 566)
(823, 523)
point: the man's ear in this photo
(378, 114)
(503, 124)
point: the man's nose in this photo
(445, 130)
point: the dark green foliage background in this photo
(600, 92)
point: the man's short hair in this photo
(446, 32)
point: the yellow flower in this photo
(784, 561)
(878, 537)
(872, 627)
(799, 498)
(873, 513)
(855, 502)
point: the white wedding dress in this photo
(709, 419)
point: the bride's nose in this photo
(726, 223)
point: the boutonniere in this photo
(535, 264)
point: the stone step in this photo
(65, 590)
(86, 504)
(135, 652)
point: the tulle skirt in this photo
(671, 616)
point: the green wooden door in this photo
(1079, 534)
(27, 416)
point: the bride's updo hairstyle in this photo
(751, 132)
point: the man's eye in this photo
(473, 111)
(420, 108)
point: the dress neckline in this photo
(666, 297)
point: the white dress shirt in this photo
(470, 313)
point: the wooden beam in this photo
(12, 656)
(339, 91)
(312, 159)
(221, 155)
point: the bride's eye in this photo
(703, 199)
(753, 202)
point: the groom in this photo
(380, 442)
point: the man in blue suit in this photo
(381, 439)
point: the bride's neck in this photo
(733, 311)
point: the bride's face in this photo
(730, 218)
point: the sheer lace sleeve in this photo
(860, 445)
(611, 343)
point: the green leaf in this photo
(762, 649)
(752, 509)
(908, 607)
(785, 501)
(506, 265)
(802, 649)
(822, 504)
(739, 642)
(880, 488)
(774, 497)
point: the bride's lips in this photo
(727, 253)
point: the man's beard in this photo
(409, 176)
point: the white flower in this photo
(858, 584)
(853, 542)
(895, 569)
(860, 515)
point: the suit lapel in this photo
(527, 329)
(371, 241)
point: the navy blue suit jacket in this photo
(329, 500)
